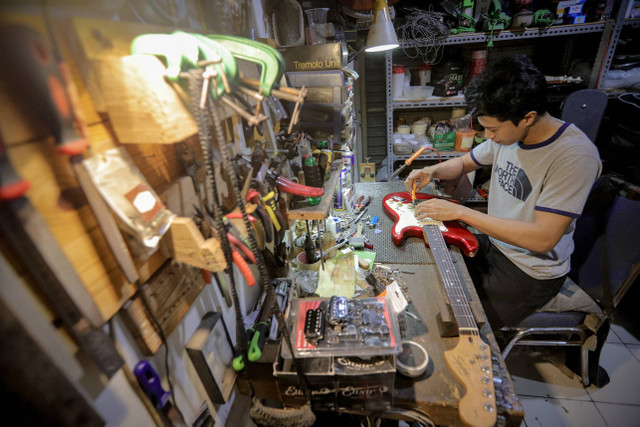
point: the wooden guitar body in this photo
(399, 207)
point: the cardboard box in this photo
(320, 377)
(316, 57)
(339, 383)
(365, 384)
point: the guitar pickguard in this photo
(399, 207)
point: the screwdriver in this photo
(413, 194)
(409, 161)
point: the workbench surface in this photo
(436, 392)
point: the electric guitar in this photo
(470, 360)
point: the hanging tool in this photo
(254, 197)
(183, 51)
(187, 158)
(285, 93)
(271, 62)
(408, 162)
(160, 398)
(28, 236)
(38, 82)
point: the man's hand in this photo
(438, 209)
(421, 177)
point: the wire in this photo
(425, 32)
(163, 338)
(436, 151)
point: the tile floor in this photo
(552, 399)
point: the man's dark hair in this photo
(507, 90)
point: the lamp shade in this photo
(382, 35)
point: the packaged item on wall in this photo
(142, 215)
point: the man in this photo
(542, 170)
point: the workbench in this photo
(436, 392)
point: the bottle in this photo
(398, 81)
(312, 176)
(424, 72)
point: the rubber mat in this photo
(412, 251)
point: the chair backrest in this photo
(606, 238)
(585, 109)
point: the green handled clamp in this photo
(183, 51)
(270, 60)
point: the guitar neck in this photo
(452, 285)
(470, 360)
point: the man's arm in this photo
(450, 169)
(541, 235)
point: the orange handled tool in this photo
(413, 194)
(409, 161)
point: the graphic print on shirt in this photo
(514, 181)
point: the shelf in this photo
(319, 212)
(514, 34)
(432, 156)
(432, 102)
(633, 22)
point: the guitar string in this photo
(451, 280)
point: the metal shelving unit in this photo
(610, 30)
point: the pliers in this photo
(254, 197)
(237, 246)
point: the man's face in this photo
(505, 133)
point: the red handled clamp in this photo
(289, 186)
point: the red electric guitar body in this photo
(399, 207)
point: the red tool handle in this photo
(34, 79)
(238, 215)
(240, 245)
(243, 267)
(288, 186)
(415, 155)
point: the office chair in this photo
(605, 263)
(585, 108)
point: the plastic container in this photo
(317, 18)
(420, 127)
(464, 141)
(424, 73)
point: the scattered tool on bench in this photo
(414, 201)
(357, 240)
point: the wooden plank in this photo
(56, 195)
(170, 294)
(319, 212)
(98, 39)
(142, 106)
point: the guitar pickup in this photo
(314, 325)
(338, 310)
